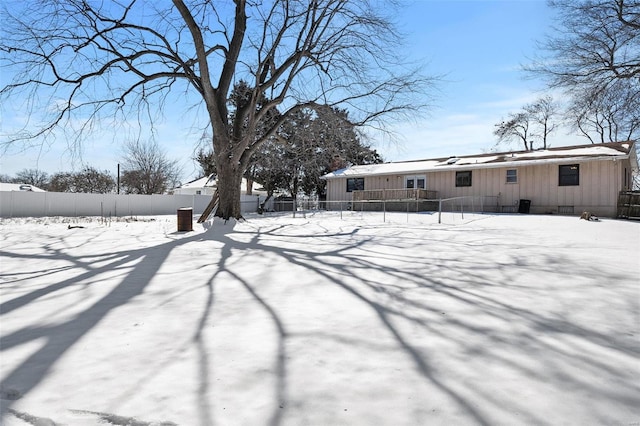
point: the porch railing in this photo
(394, 194)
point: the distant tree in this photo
(516, 127)
(62, 182)
(310, 144)
(146, 169)
(336, 144)
(6, 178)
(89, 180)
(33, 177)
(269, 167)
(542, 113)
(609, 116)
(535, 121)
(206, 161)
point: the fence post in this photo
(384, 209)
(439, 210)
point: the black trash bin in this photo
(524, 206)
(185, 219)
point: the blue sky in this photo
(477, 45)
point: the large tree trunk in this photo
(229, 181)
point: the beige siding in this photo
(600, 182)
(597, 191)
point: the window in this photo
(412, 182)
(355, 184)
(463, 178)
(569, 175)
(198, 192)
(512, 176)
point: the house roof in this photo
(591, 152)
(202, 182)
(211, 182)
(19, 187)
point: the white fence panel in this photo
(39, 204)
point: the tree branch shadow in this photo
(59, 338)
(406, 292)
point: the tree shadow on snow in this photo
(399, 297)
(407, 293)
(58, 338)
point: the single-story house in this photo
(207, 186)
(563, 180)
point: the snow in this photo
(201, 182)
(320, 319)
(19, 187)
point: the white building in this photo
(207, 186)
(19, 187)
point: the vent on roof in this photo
(452, 160)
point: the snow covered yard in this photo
(321, 320)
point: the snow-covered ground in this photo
(321, 320)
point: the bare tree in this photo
(595, 43)
(609, 116)
(516, 127)
(594, 55)
(147, 170)
(6, 178)
(33, 177)
(129, 58)
(88, 180)
(542, 113)
(535, 121)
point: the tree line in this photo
(308, 145)
(145, 169)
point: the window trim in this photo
(567, 179)
(461, 178)
(355, 186)
(514, 176)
